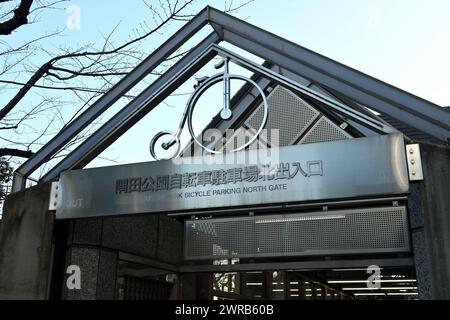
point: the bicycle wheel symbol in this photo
(226, 113)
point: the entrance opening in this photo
(342, 253)
(333, 284)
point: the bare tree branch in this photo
(46, 68)
(19, 18)
(84, 89)
(15, 152)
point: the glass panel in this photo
(226, 282)
(254, 284)
(278, 285)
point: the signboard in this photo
(321, 171)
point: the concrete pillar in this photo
(429, 208)
(26, 244)
(98, 273)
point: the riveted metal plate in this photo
(414, 162)
(55, 196)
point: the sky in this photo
(403, 42)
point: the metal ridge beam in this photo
(289, 83)
(138, 107)
(377, 94)
(412, 118)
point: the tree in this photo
(5, 178)
(46, 89)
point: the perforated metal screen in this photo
(287, 112)
(324, 130)
(332, 232)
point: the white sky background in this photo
(403, 42)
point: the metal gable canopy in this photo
(243, 104)
(379, 96)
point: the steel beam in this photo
(365, 89)
(289, 83)
(105, 101)
(128, 257)
(140, 106)
(245, 98)
(298, 265)
(137, 108)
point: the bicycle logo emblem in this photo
(226, 113)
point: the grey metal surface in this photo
(289, 114)
(116, 92)
(339, 169)
(365, 230)
(324, 130)
(244, 101)
(414, 162)
(239, 136)
(142, 288)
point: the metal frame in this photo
(168, 83)
(413, 117)
(365, 89)
(341, 108)
(225, 113)
(129, 257)
(268, 266)
(244, 99)
(298, 265)
(414, 160)
(137, 108)
(299, 206)
(380, 96)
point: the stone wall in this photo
(26, 244)
(429, 209)
(94, 245)
(27, 232)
